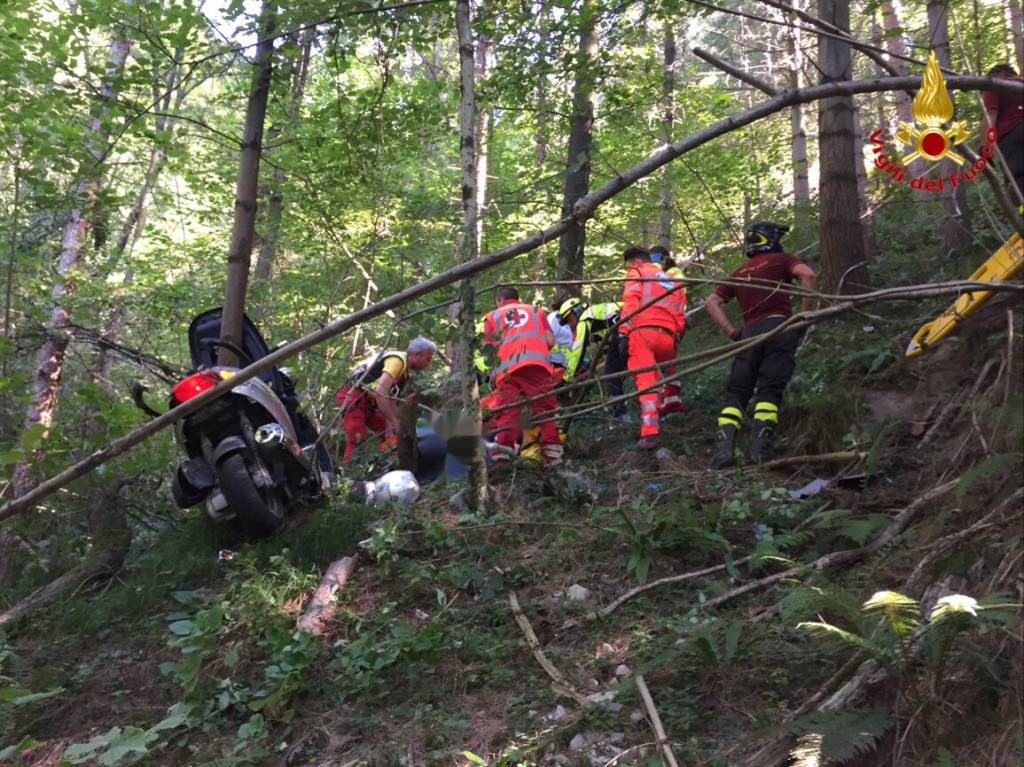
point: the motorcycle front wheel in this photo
(258, 511)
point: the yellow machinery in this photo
(1002, 265)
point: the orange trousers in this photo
(649, 346)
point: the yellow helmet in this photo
(573, 305)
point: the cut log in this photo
(322, 607)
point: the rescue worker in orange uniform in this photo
(651, 320)
(368, 400)
(671, 400)
(523, 339)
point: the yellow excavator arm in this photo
(1001, 266)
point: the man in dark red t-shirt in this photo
(768, 366)
(1005, 112)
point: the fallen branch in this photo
(799, 460)
(584, 209)
(622, 599)
(560, 684)
(659, 730)
(321, 607)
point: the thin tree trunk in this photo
(668, 84)
(864, 206)
(798, 133)
(476, 490)
(12, 259)
(50, 360)
(956, 221)
(840, 231)
(581, 135)
(1015, 18)
(894, 45)
(240, 254)
(275, 202)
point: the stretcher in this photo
(1001, 266)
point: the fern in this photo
(902, 612)
(808, 601)
(839, 736)
(945, 758)
(822, 630)
(990, 467)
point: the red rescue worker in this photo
(523, 339)
(671, 401)
(366, 410)
(651, 320)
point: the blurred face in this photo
(420, 360)
(573, 320)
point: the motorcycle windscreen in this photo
(206, 327)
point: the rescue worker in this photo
(368, 400)
(766, 367)
(651, 319)
(588, 324)
(523, 339)
(671, 401)
(562, 334)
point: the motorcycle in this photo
(252, 454)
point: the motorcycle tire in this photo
(258, 512)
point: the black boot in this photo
(764, 443)
(723, 457)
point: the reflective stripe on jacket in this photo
(648, 286)
(522, 336)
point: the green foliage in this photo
(839, 736)
(990, 467)
(122, 746)
(390, 643)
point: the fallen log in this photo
(322, 607)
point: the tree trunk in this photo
(12, 259)
(667, 108)
(1015, 18)
(841, 233)
(864, 207)
(895, 46)
(50, 360)
(801, 179)
(956, 220)
(275, 203)
(240, 254)
(476, 490)
(581, 134)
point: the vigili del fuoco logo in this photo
(926, 138)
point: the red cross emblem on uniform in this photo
(516, 318)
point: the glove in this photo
(558, 376)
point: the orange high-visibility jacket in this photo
(645, 284)
(522, 335)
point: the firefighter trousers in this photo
(765, 368)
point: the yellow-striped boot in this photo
(729, 421)
(766, 418)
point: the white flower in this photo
(955, 603)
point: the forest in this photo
(373, 391)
